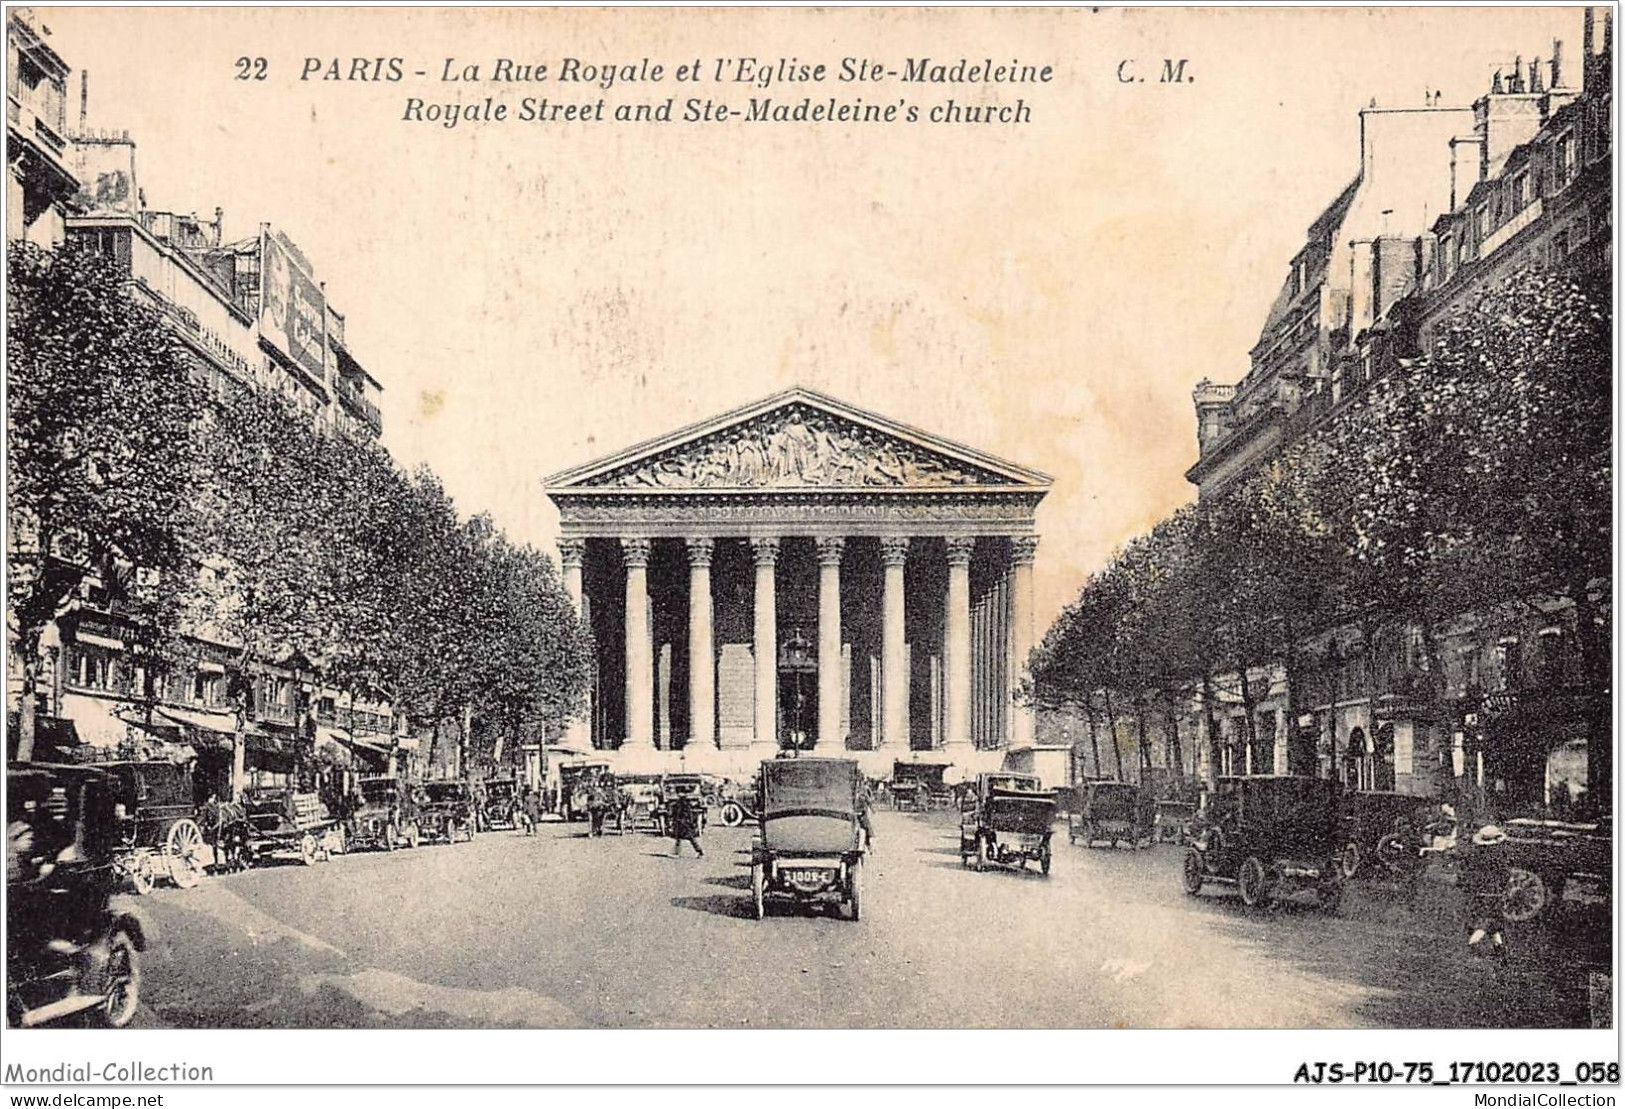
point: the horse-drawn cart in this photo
(281, 821)
(155, 819)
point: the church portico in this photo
(801, 574)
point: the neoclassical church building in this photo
(800, 573)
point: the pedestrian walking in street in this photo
(1481, 883)
(683, 823)
(532, 809)
(597, 807)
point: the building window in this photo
(1560, 247)
(91, 668)
(1483, 222)
(1520, 192)
(1567, 159)
(1509, 662)
(1552, 651)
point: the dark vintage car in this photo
(158, 831)
(1008, 820)
(72, 949)
(1379, 828)
(1553, 863)
(675, 786)
(919, 786)
(385, 817)
(1268, 836)
(501, 802)
(1111, 812)
(445, 811)
(811, 844)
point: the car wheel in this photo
(1349, 860)
(1525, 896)
(413, 837)
(758, 889)
(307, 849)
(143, 875)
(392, 837)
(1195, 872)
(981, 853)
(854, 889)
(123, 982)
(1251, 881)
(183, 850)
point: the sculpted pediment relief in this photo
(798, 447)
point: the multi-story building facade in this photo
(1526, 183)
(42, 182)
(243, 324)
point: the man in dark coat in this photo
(597, 806)
(683, 823)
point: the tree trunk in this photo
(1215, 756)
(1594, 662)
(1141, 706)
(26, 706)
(1094, 738)
(1248, 704)
(1176, 754)
(1111, 724)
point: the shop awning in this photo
(94, 720)
(209, 729)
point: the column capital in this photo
(700, 550)
(765, 551)
(894, 549)
(1023, 548)
(960, 548)
(829, 550)
(635, 552)
(571, 551)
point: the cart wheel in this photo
(392, 837)
(413, 838)
(1043, 862)
(183, 851)
(307, 849)
(1195, 872)
(123, 982)
(981, 853)
(854, 888)
(340, 843)
(732, 815)
(143, 875)
(758, 889)
(1524, 897)
(1251, 881)
(1350, 860)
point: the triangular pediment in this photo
(797, 440)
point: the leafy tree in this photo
(101, 450)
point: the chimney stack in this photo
(1534, 76)
(84, 98)
(1557, 63)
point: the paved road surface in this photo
(564, 930)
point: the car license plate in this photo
(807, 879)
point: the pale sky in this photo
(535, 295)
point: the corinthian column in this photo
(702, 673)
(829, 643)
(578, 732)
(766, 552)
(1022, 550)
(956, 644)
(893, 650)
(640, 708)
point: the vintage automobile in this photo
(1110, 811)
(1008, 821)
(919, 786)
(273, 821)
(640, 809)
(575, 781)
(386, 817)
(158, 832)
(72, 949)
(501, 803)
(1268, 836)
(445, 811)
(811, 844)
(1375, 823)
(1552, 863)
(673, 786)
